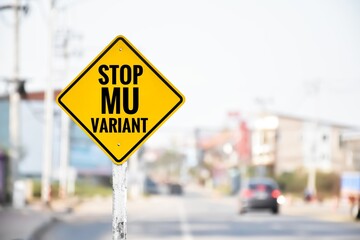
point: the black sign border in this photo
(62, 94)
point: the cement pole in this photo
(311, 184)
(14, 188)
(65, 132)
(49, 114)
(64, 154)
(119, 184)
(14, 112)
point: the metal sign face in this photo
(120, 99)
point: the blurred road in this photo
(196, 217)
(18, 224)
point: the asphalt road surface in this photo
(196, 217)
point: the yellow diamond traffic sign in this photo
(120, 99)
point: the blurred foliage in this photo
(250, 171)
(82, 189)
(327, 184)
(253, 171)
(36, 188)
(36, 184)
(194, 172)
(224, 189)
(293, 182)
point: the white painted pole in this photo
(119, 184)
(49, 116)
(14, 112)
(64, 154)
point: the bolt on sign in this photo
(120, 99)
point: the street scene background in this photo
(271, 90)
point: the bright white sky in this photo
(302, 55)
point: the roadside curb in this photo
(323, 212)
(21, 223)
(54, 216)
(336, 219)
(41, 229)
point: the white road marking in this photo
(184, 224)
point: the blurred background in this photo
(270, 120)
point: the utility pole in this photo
(14, 101)
(65, 132)
(313, 88)
(14, 108)
(64, 154)
(311, 181)
(63, 37)
(49, 114)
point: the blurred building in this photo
(283, 143)
(223, 153)
(84, 155)
(31, 128)
(218, 157)
(350, 141)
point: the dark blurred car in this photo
(150, 186)
(175, 189)
(260, 193)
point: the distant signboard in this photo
(350, 183)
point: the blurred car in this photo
(260, 193)
(175, 189)
(150, 186)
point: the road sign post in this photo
(120, 99)
(119, 185)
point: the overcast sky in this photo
(301, 57)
